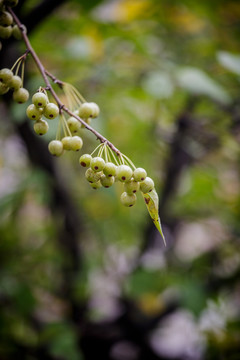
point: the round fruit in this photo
(6, 75)
(97, 163)
(124, 173)
(6, 18)
(86, 110)
(55, 147)
(92, 176)
(76, 143)
(73, 124)
(96, 185)
(128, 200)
(107, 181)
(3, 88)
(40, 99)
(66, 141)
(15, 83)
(139, 174)
(85, 160)
(17, 33)
(147, 185)
(41, 127)
(131, 186)
(5, 32)
(95, 109)
(51, 111)
(110, 169)
(33, 113)
(21, 95)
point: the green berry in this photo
(147, 185)
(97, 163)
(17, 33)
(6, 75)
(40, 99)
(11, 3)
(5, 32)
(15, 83)
(66, 141)
(33, 113)
(85, 160)
(95, 109)
(96, 185)
(131, 186)
(128, 200)
(41, 127)
(139, 174)
(55, 147)
(87, 110)
(92, 176)
(76, 143)
(21, 95)
(6, 18)
(107, 181)
(3, 88)
(51, 111)
(110, 169)
(124, 173)
(73, 124)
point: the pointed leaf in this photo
(229, 61)
(151, 201)
(198, 82)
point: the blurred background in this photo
(82, 277)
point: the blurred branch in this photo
(133, 326)
(188, 128)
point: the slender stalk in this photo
(54, 79)
(45, 74)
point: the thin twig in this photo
(54, 79)
(45, 74)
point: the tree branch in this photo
(44, 73)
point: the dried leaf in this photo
(151, 201)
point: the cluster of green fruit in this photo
(41, 107)
(7, 26)
(105, 173)
(76, 103)
(69, 143)
(104, 168)
(9, 81)
(70, 127)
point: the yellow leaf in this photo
(129, 10)
(151, 201)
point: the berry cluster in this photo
(41, 107)
(9, 81)
(64, 139)
(105, 169)
(76, 102)
(71, 126)
(7, 26)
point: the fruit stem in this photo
(45, 75)
(54, 79)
